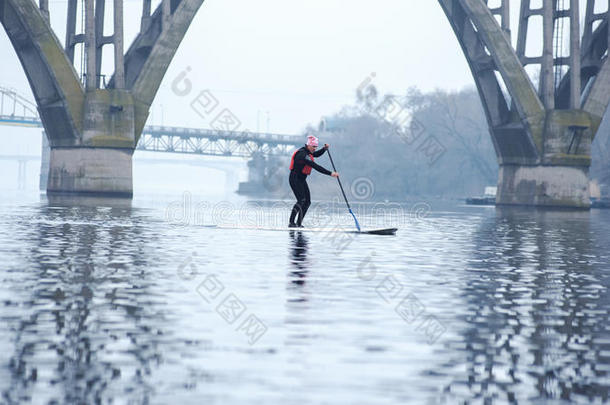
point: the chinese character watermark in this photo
(226, 304)
(408, 128)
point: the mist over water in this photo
(113, 301)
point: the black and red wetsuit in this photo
(300, 167)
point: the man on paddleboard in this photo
(300, 167)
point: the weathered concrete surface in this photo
(559, 178)
(54, 82)
(99, 162)
(547, 186)
(94, 171)
(109, 119)
(563, 145)
(525, 99)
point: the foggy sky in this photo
(297, 60)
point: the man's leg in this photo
(295, 211)
(297, 189)
(305, 203)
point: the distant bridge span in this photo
(16, 110)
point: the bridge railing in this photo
(22, 121)
(155, 130)
(11, 103)
(214, 142)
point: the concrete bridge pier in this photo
(100, 161)
(559, 175)
(92, 132)
(94, 171)
(542, 127)
(539, 185)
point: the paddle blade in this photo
(387, 231)
(357, 224)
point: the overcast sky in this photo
(297, 60)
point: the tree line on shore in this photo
(431, 144)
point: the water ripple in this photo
(114, 304)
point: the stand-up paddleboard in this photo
(385, 231)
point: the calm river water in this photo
(103, 301)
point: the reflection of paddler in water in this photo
(299, 257)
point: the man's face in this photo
(311, 149)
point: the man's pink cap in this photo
(312, 141)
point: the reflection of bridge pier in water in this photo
(533, 323)
(88, 326)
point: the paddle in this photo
(343, 192)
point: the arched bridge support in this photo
(93, 131)
(542, 132)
